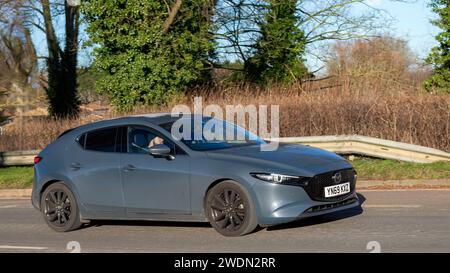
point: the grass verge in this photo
(16, 177)
(384, 169)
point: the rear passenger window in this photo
(101, 140)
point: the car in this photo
(108, 170)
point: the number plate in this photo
(337, 190)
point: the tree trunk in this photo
(61, 90)
(172, 13)
(69, 59)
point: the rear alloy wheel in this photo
(230, 210)
(59, 208)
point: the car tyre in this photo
(59, 208)
(230, 209)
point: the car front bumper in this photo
(277, 204)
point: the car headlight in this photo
(282, 178)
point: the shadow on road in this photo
(326, 218)
(98, 223)
(321, 219)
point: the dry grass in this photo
(405, 115)
(376, 92)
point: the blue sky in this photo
(411, 22)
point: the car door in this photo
(154, 185)
(95, 169)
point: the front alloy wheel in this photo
(230, 210)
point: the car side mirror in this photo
(160, 150)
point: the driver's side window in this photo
(141, 139)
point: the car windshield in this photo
(211, 134)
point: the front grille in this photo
(316, 185)
(330, 206)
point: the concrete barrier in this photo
(370, 146)
(18, 158)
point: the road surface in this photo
(389, 221)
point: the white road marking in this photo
(8, 206)
(23, 247)
(391, 206)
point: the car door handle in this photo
(129, 168)
(75, 166)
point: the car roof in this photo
(153, 118)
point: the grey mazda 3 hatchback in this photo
(134, 168)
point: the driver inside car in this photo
(155, 141)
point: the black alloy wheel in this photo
(59, 208)
(229, 209)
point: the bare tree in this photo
(18, 61)
(61, 59)
(62, 77)
(239, 22)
